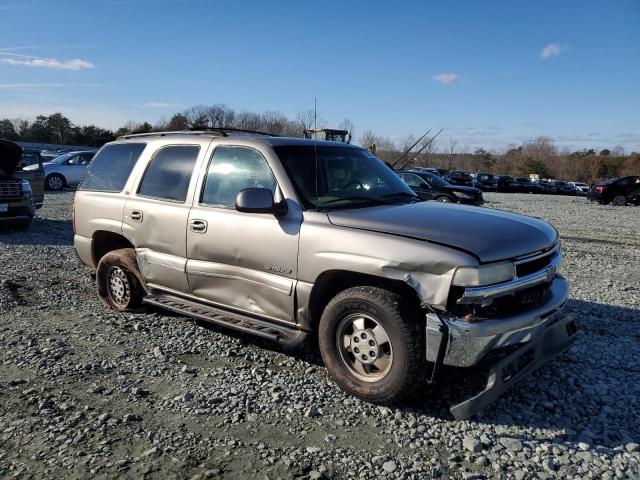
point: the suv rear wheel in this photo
(371, 346)
(118, 280)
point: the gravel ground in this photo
(86, 392)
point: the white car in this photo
(580, 187)
(66, 170)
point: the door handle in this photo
(198, 226)
(136, 215)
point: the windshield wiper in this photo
(407, 195)
(372, 201)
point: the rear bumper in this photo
(84, 250)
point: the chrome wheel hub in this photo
(364, 347)
(55, 183)
(119, 289)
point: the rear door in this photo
(156, 213)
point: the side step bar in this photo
(287, 336)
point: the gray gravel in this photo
(88, 392)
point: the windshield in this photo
(434, 180)
(346, 177)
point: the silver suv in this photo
(289, 238)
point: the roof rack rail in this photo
(226, 130)
(223, 131)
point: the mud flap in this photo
(555, 340)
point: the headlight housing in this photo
(463, 195)
(26, 187)
(484, 274)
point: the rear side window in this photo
(169, 173)
(111, 167)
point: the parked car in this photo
(21, 193)
(619, 191)
(486, 182)
(458, 177)
(564, 188)
(66, 170)
(580, 188)
(525, 185)
(288, 238)
(507, 184)
(548, 186)
(429, 186)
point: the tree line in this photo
(535, 156)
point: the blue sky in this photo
(490, 73)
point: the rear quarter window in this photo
(111, 167)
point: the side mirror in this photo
(259, 200)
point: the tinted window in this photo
(75, 160)
(233, 169)
(435, 181)
(110, 169)
(414, 180)
(85, 158)
(169, 173)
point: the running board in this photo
(287, 336)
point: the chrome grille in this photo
(535, 263)
(10, 189)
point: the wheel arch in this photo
(331, 282)
(105, 241)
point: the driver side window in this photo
(414, 181)
(73, 160)
(231, 170)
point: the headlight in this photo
(484, 275)
(463, 195)
(26, 187)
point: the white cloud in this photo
(158, 105)
(551, 50)
(52, 63)
(446, 78)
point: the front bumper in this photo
(469, 342)
(555, 339)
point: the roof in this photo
(264, 138)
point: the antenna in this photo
(315, 143)
(421, 149)
(409, 149)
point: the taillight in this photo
(601, 188)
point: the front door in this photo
(242, 261)
(155, 216)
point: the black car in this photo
(486, 182)
(525, 185)
(458, 177)
(619, 191)
(564, 188)
(548, 186)
(429, 186)
(508, 184)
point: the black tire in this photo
(620, 200)
(405, 333)
(120, 285)
(55, 182)
(444, 199)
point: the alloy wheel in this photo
(364, 347)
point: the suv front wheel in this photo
(372, 347)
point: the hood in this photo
(490, 235)
(10, 155)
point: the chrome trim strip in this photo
(482, 294)
(552, 251)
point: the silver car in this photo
(66, 170)
(289, 238)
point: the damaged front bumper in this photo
(540, 333)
